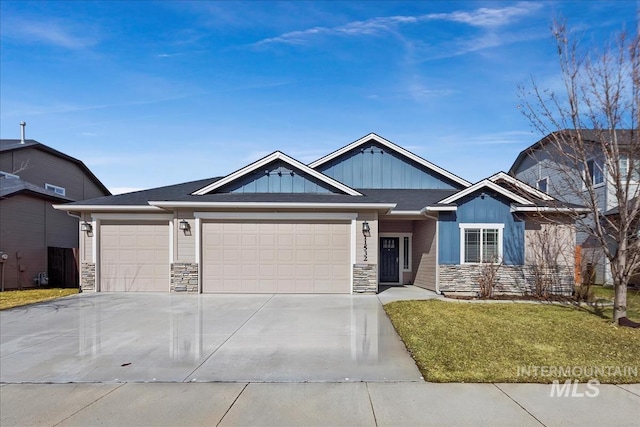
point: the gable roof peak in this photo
(276, 155)
(394, 147)
(486, 183)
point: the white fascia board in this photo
(485, 183)
(405, 213)
(522, 185)
(107, 208)
(390, 145)
(305, 216)
(548, 209)
(133, 216)
(439, 209)
(275, 205)
(277, 155)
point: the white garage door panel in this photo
(134, 258)
(276, 257)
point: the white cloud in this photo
(483, 17)
(56, 33)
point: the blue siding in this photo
(474, 209)
(375, 166)
(278, 177)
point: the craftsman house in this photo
(369, 214)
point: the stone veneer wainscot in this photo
(511, 279)
(365, 279)
(184, 277)
(88, 276)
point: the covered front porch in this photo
(407, 251)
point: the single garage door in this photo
(134, 257)
(276, 257)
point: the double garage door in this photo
(276, 257)
(237, 257)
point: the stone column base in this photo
(365, 279)
(184, 277)
(88, 276)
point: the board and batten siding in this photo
(424, 254)
(475, 209)
(375, 166)
(45, 168)
(278, 177)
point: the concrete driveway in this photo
(118, 337)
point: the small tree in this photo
(592, 129)
(488, 277)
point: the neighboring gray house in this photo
(542, 167)
(39, 240)
(370, 213)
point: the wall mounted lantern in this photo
(366, 232)
(86, 227)
(184, 225)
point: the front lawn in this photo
(10, 299)
(464, 342)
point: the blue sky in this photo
(156, 93)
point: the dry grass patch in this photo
(606, 294)
(10, 299)
(463, 342)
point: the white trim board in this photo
(132, 216)
(522, 185)
(320, 216)
(276, 155)
(275, 205)
(390, 145)
(107, 208)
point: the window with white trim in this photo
(624, 168)
(594, 169)
(405, 253)
(480, 243)
(58, 190)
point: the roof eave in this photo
(107, 208)
(275, 205)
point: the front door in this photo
(389, 255)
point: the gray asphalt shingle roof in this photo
(13, 186)
(405, 199)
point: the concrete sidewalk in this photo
(302, 404)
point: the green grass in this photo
(463, 342)
(633, 301)
(10, 299)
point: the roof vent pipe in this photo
(22, 126)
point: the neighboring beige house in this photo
(40, 242)
(368, 214)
